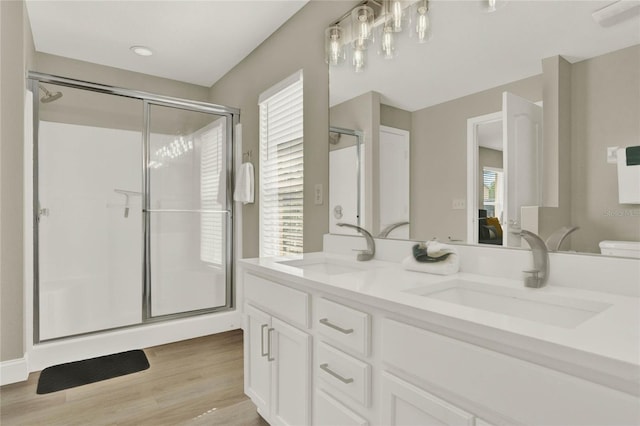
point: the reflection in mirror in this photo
(587, 78)
(345, 179)
(504, 184)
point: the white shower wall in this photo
(90, 255)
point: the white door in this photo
(406, 404)
(394, 180)
(522, 131)
(291, 384)
(257, 379)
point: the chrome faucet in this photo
(371, 244)
(540, 272)
(555, 240)
(385, 232)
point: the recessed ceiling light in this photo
(141, 50)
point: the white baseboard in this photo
(12, 371)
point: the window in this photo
(281, 168)
(493, 188)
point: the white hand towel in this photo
(244, 184)
(449, 266)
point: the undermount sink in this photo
(520, 303)
(325, 265)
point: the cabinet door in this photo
(405, 404)
(257, 377)
(291, 384)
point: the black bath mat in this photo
(78, 373)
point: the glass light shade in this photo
(362, 24)
(423, 23)
(334, 45)
(387, 45)
(359, 60)
(396, 11)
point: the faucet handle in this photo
(533, 280)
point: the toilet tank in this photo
(620, 248)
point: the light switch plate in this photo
(612, 154)
(318, 196)
(458, 204)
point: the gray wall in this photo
(298, 44)
(17, 52)
(439, 158)
(395, 117)
(605, 110)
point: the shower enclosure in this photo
(132, 207)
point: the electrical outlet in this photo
(458, 204)
(318, 194)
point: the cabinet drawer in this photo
(344, 373)
(329, 412)
(343, 325)
(525, 392)
(282, 301)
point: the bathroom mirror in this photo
(587, 80)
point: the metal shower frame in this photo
(232, 116)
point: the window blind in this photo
(212, 194)
(281, 168)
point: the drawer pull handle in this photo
(325, 321)
(262, 351)
(269, 357)
(325, 367)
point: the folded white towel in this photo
(244, 184)
(437, 249)
(448, 266)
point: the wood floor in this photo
(194, 382)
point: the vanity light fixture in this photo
(356, 31)
(141, 50)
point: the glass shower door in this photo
(88, 212)
(188, 219)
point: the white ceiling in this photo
(471, 51)
(194, 41)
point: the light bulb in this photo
(359, 60)
(388, 48)
(423, 26)
(396, 13)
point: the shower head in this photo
(334, 138)
(48, 96)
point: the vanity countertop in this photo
(606, 345)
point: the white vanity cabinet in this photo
(277, 354)
(313, 356)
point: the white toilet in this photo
(620, 248)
